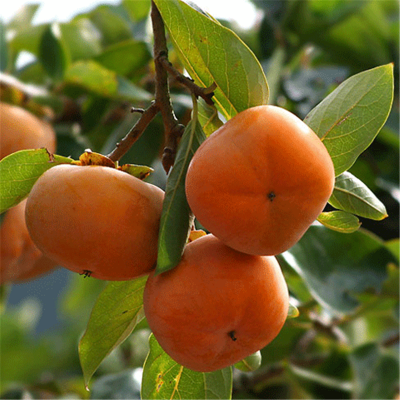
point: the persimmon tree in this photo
(142, 110)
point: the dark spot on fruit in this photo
(271, 196)
(232, 335)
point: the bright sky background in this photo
(242, 11)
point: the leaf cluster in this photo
(313, 58)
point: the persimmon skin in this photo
(95, 220)
(22, 130)
(217, 306)
(259, 181)
(20, 259)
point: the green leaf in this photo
(376, 374)
(81, 39)
(353, 196)
(127, 90)
(293, 311)
(250, 363)
(23, 17)
(52, 52)
(336, 267)
(19, 172)
(394, 246)
(28, 39)
(212, 53)
(113, 28)
(391, 286)
(348, 120)
(93, 77)
(339, 221)
(176, 218)
(163, 378)
(208, 118)
(116, 312)
(362, 40)
(134, 54)
(137, 10)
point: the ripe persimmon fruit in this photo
(259, 181)
(95, 220)
(20, 259)
(22, 130)
(217, 306)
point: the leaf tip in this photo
(293, 311)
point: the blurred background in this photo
(70, 49)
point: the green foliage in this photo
(19, 172)
(24, 17)
(339, 221)
(330, 61)
(114, 316)
(163, 378)
(176, 215)
(351, 195)
(134, 53)
(348, 120)
(335, 267)
(52, 53)
(250, 363)
(201, 43)
(376, 373)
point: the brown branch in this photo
(391, 340)
(162, 103)
(173, 130)
(126, 143)
(204, 93)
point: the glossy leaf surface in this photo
(376, 373)
(163, 378)
(348, 120)
(339, 221)
(115, 314)
(213, 53)
(176, 218)
(352, 195)
(19, 172)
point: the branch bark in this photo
(173, 129)
(204, 93)
(126, 143)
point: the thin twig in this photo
(162, 103)
(391, 340)
(126, 143)
(205, 93)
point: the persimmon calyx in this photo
(90, 157)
